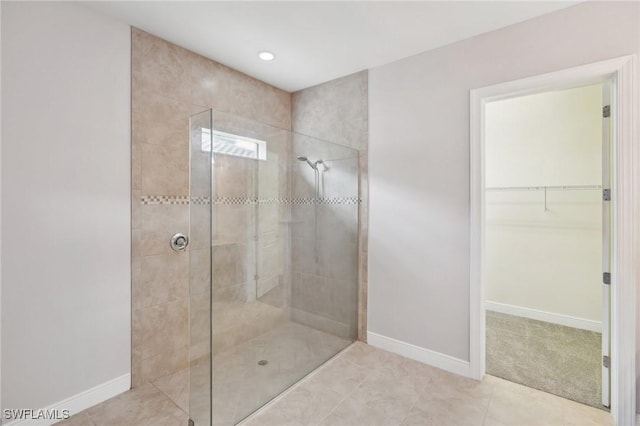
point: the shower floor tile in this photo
(243, 382)
(362, 386)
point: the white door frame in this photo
(625, 190)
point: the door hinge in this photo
(606, 194)
(606, 361)
(606, 111)
(606, 277)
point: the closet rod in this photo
(545, 188)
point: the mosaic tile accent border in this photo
(327, 201)
(200, 200)
(164, 199)
(293, 201)
(184, 200)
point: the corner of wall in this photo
(338, 111)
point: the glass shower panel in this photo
(324, 238)
(250, 252)
(200, 184)
(283, 237)
(272, 232)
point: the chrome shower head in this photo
(313, 166)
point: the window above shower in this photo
(235, 145)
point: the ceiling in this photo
(318, 41)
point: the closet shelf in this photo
(545, 188)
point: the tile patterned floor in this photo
(365, 386)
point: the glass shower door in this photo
(200, 267)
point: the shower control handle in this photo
(179, 242)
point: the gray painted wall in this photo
(419, 161)
(66, 321)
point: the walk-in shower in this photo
(273, 258)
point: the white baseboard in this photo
(82, 401)
(435, 359)
(534, 314)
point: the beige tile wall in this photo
(338, 111)
(168, 84)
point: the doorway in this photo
(546, 241)
(625, 191)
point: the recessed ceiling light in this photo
(265, 55)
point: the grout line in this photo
(352, 391)
(344, 399)
(93, 422)
(491, 397)
(179, 299)
(89, 416)
(486, 413)
(424, 389)
(169, 398)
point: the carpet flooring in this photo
(553, 358)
